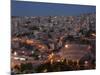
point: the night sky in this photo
(20, 8)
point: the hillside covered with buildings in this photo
(43, 40)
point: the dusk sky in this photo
(20, 8)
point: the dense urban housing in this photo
(53, 43)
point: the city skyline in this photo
(50, 37)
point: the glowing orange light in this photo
(29, 41)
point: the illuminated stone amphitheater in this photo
(74, 51)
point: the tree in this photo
(57, 66)
(25, 67)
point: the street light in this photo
(66, 46)
(15, 53)
(93, 34)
